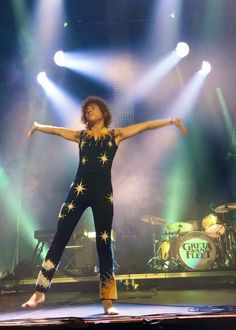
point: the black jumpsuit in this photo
(92, 187)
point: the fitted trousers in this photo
(88, 190)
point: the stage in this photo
(166, 306)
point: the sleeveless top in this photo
(97, 155)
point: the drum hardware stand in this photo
(229, 249)
(221, 254)
(225, 239)
(229, 255)
(172, 261)
(226, 256)
(167, 262)
(157, 262)
(154, 262)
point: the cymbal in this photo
(225, 208)
(181, 227)
(151, 219)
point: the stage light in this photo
(172, 15)
(182, 49)
(65, 24)
(205, 69)
(59, 58)
(60, 100)
(42, 78)
(155, 75)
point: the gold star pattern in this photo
(107, 280)
(110, 198)
(103, 133)
(70, 206)
(103, 158)
(108, 287)
(82, 144)
(104, 236)
(79, 188)
(109, 143)
(84, 160)
(61, 216)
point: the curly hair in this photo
(102, 106)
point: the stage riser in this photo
(130, 281)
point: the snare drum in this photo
(213, 225)
(197, 251)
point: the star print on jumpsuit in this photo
(66, 208)
(104, 236)
(110, 198)
(91, 188)
(79, 188)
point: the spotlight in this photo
(172, 15)
(59, 58)
(182, 49)
(41, 78)
(205, 69)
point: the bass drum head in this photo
(197, 251)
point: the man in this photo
(91, 187)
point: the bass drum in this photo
(196, 251)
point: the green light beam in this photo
(179, 185)
(213, 19)
(18, 211)
(225, 111)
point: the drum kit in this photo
(190, 246)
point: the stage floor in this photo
(137, 308)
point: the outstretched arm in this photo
(65, 133)
(129, 131)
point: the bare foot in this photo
(108, 308)
(37, 298)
